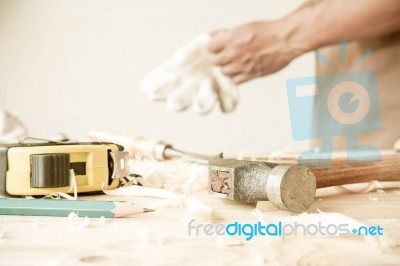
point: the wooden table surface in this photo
(161, 237)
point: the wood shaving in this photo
(156, 180)
(327, 217)
(388, 242)
(140, 191)
(198, 209)
(168, 180)
(246, 155)
(390, 239)
(73, 188)
(258, 214)
(344, 252)
(194, 205)
(384, 242)
(170, 169)
(230, 240)
(102, 220)
(306, 218)
(149, 235)
(37, 224)
(255, 260)
(263, 205)
(77, 223)
(267, 206)
(277, 155)
(59, 195)
(371, 186)
(174, 173)
(167, 203)
(373, 198)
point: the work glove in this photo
(189, 78)
(11, 128)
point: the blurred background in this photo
(72, 66)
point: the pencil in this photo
(89, 208)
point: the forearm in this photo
(260, 48)
(323, 23)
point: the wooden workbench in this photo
(161, 237)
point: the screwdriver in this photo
(158, 149)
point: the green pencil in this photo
(90, 208)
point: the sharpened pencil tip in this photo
(148, 210)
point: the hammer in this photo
(283, 182)
(288, 185)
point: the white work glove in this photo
(190, 78)
(11, 128)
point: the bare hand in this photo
(252, 50)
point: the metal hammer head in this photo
(288, 186)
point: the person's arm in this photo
(260, 48)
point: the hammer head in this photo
(288, 186)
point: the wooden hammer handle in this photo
(341, 172)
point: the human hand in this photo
(189, 78)
(253, 50)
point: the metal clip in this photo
(121, 167)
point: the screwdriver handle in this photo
(135, 145)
